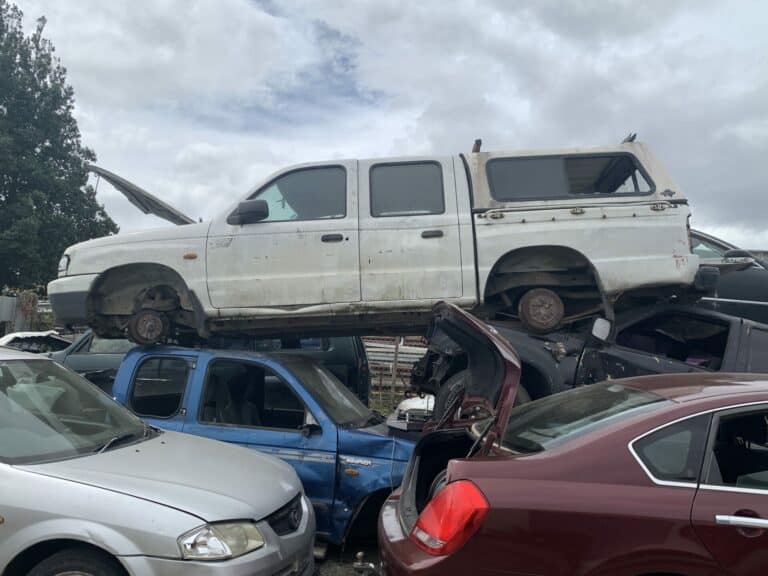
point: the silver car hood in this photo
(211, 480)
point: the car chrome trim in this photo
(737, 489)
(740, 521)
(693, 484)
(734, 301)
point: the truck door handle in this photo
(432, 234)
(332, 237)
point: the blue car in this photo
(289, 406)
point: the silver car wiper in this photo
(122, 437)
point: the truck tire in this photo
(455, 385)
(148, 327)
(77, 561)
(541, 310)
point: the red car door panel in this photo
(733, 525)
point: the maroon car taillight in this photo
(450, 518)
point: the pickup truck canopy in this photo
(524, 178)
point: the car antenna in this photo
(629, 138)
(476, 146)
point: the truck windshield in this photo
(553, 420)
(49, 413)
(338, 401)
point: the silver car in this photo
(87, 488)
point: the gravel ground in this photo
(340, 564)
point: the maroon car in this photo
(646, 476)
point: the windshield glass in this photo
(338, 401)
(50, 413)
(550, 421)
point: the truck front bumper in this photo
(68, 296)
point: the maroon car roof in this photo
(698, 386)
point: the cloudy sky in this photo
(197, 100)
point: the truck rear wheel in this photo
(148, 327)
(541, 310)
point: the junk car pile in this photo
(577, 411)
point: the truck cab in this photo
(289, 406)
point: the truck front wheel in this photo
(148, 327)
(541, 310)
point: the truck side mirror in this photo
(249, 212)
(737, 253)
(601, 329)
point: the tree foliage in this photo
(45, 201)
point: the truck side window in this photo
(695, 341)
(159, 386)
(559, 177)
(243, 394)
(306, 194)
(758, 344)
(406, 189)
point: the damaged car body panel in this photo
(285, 405)
(371, 245)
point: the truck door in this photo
(409, 230)
(157, 390)
(304, 252)
(661, 343)
(251, 404)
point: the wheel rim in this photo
(543, 309)
(149, 326)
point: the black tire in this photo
(148, 327)
(541, 310)
(80, 562)
(447, 394)
(455, 385)
(522, 396)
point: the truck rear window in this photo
(558, 177)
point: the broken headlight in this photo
(220, 541)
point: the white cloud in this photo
(196, 101)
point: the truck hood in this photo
(493, 371)
(374, 442)
(142, 199)
(211, 480)
(172, 233)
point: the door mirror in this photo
(601, 329)
(737, 253)
(310, 425)
(249, 212)
(308, 430)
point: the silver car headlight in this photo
(220, 541)
(64, 265)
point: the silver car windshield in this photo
(49, 413)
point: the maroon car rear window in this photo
(550, 421)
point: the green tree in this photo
(46, 203)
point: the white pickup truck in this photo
(370, 245)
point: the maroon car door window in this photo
(730, 512)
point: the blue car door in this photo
(157, 389)
(256, 403)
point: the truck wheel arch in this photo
(123, 290)
(368, 508)
(560, 268)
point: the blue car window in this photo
(244, 394)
